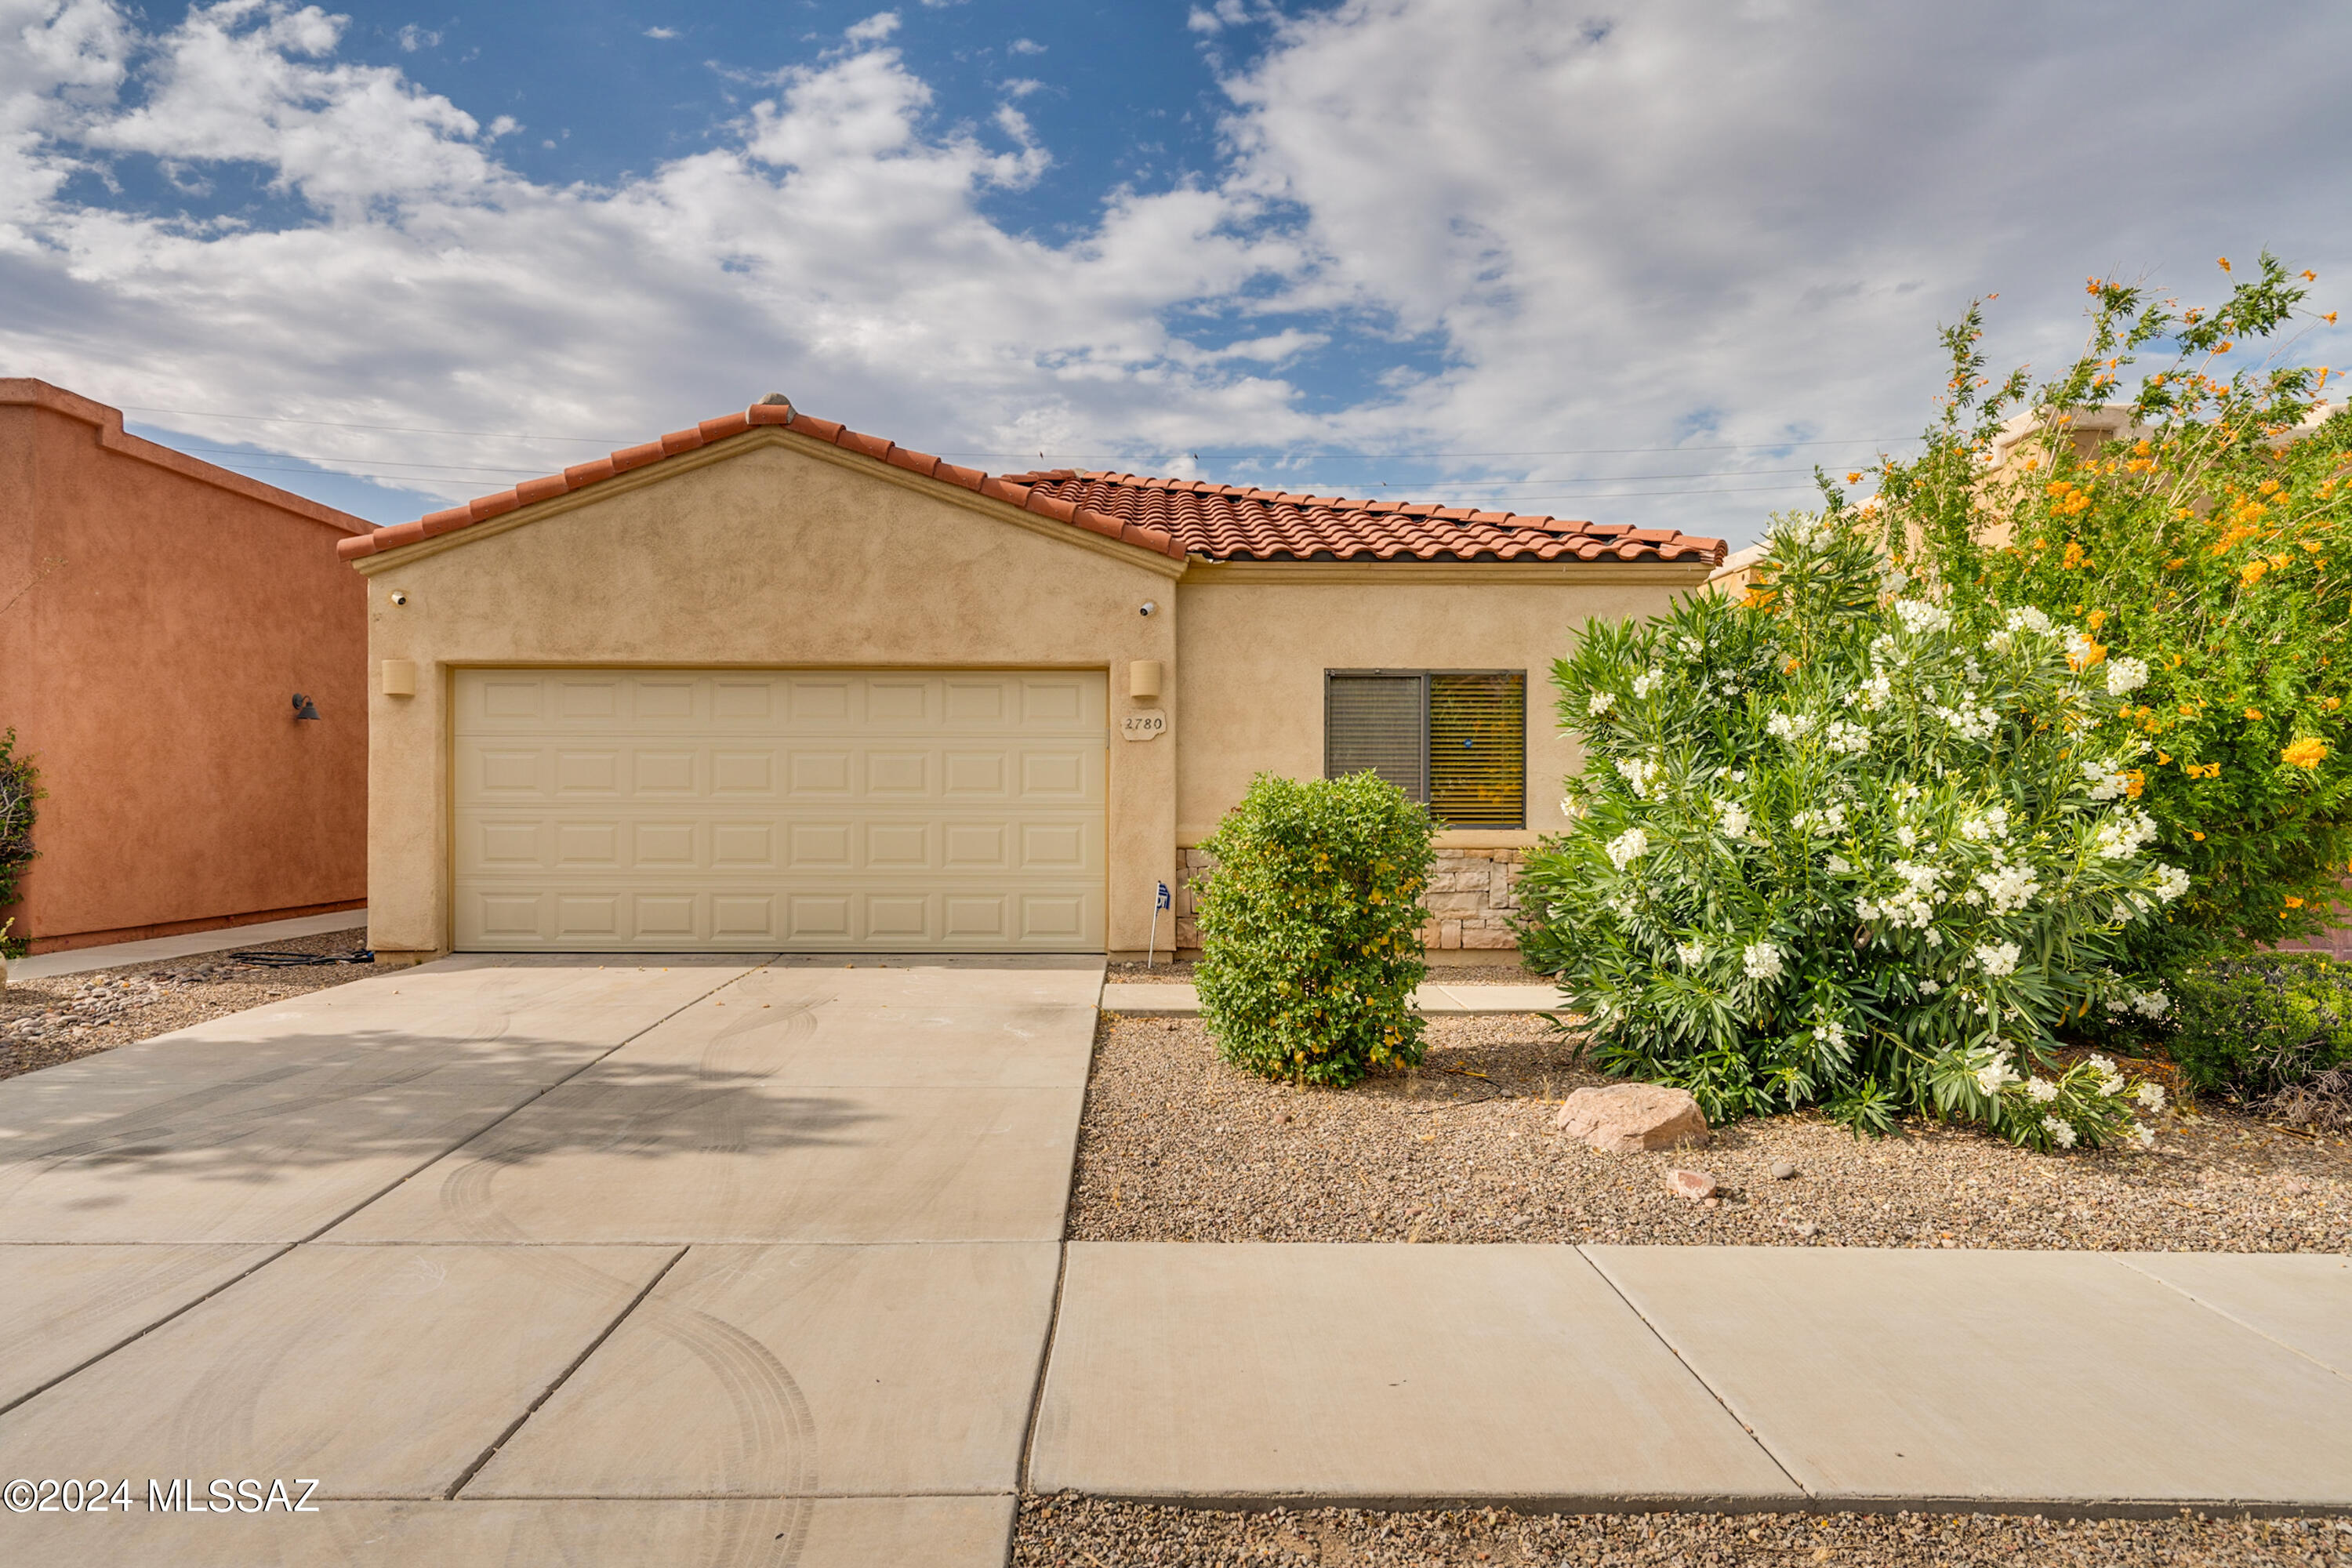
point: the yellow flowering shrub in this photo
(2201, 534)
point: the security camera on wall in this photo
(1148, 607)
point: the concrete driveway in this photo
(693, 1261)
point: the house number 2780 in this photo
(1145, 725)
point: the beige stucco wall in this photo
(765, 550)
(1255, 639)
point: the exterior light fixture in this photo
(304, 708)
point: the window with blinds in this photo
(1455, 740)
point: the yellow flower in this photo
(2252, 572)
(2196, 835)
(2306, 752)
(2097, 619)
(2253, 712)
(2138, 782)
(2161, 759)
(1854, 477)
(2187, 712)
(2224, 262)
(2293, 903)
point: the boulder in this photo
(1628, 1117)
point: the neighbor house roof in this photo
(1177, 518)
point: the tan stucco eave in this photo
(752, 440)
(1692, 573)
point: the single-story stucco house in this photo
(188, 665)
(772, 684)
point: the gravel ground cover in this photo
(1177, 1146)
(1439, 974)
(1080, 1532)
(45, 1022)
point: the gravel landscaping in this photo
(1177, 1146)
(1078, 1532)
(45, 1022)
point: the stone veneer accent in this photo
(1472, 899)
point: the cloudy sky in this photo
(1647, 264)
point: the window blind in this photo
(1376, 722)
(1477, 748)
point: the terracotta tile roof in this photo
(1173, 516)
(1234, 522)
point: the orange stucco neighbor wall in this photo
(164, 613)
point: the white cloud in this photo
(414, 38)
(1690, 226)
(1026, 46)
(662, 33)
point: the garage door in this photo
(849, 811)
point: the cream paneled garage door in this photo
(955, 810)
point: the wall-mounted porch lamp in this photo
(304, 708)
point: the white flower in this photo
(1830, 818)
(1646, 682)
(2102, 1064)
(2111, 1085)
(2001, 960)
(1847, 738)
(1730, 818)
(1692, 954)
(2061, 1132)
(1918, 616)
(1928, 987)
(1840, 866)
(2105, 781)
(2144, 1136)
(1875, 693)
(1972, 723)
(2026, 618)
(1999, 642)
(1602, 702)
(2152, 1004)
(1996, 1075)
(1737, 775)
(1829, 1032)
(2171, 881)
(1628, 847)
(2126, 675)
(2122, 834)
(1639, 774)
(2042, 1090)
(1994, 824)
(1790, 727)
(2008, 887)
(1762, 960)
(1906, 836)
(2151, 1094)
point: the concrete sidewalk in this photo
(221, 939)
(1177, 999)
(1606, 1377)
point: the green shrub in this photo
(1828, 850)
(2208, 545)
(1311, 929)
(2251, 1027)
(20, 788)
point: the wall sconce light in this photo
(304, 708)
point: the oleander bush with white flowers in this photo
(1828, 851)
